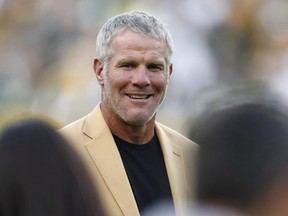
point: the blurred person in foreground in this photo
(243, 161)
(40, 174)
(136, 161)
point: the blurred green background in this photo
(225, 51)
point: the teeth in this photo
(138, 96)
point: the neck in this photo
(134, 134)
(137, 134)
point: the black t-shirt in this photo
(146, 171)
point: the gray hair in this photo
(136, 21)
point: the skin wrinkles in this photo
(134, 85)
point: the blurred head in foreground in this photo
(243, 160)
(41, 175)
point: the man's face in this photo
(136, 79)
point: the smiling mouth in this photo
(138, 96)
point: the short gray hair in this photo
(136, 21)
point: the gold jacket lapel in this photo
(106, 157)
(175, 166)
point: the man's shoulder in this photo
(73, 131)
(174, 135)
(73, 126)
(86, 123)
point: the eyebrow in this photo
(126, 61)
(156, 62)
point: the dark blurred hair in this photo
(40, 175)
(243, 148)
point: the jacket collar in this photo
(175, 165)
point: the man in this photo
(136, 162)
(243, 161)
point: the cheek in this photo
(161, 83)
(114, 84)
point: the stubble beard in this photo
(122, 112)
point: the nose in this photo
(141, 77)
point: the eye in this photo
(155, 67)
(127, 66)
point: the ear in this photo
(170, 69)
(98, 70)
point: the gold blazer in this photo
(92, 138)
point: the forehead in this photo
(129, 42)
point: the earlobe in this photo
(98, 70)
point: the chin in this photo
(137, 120)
